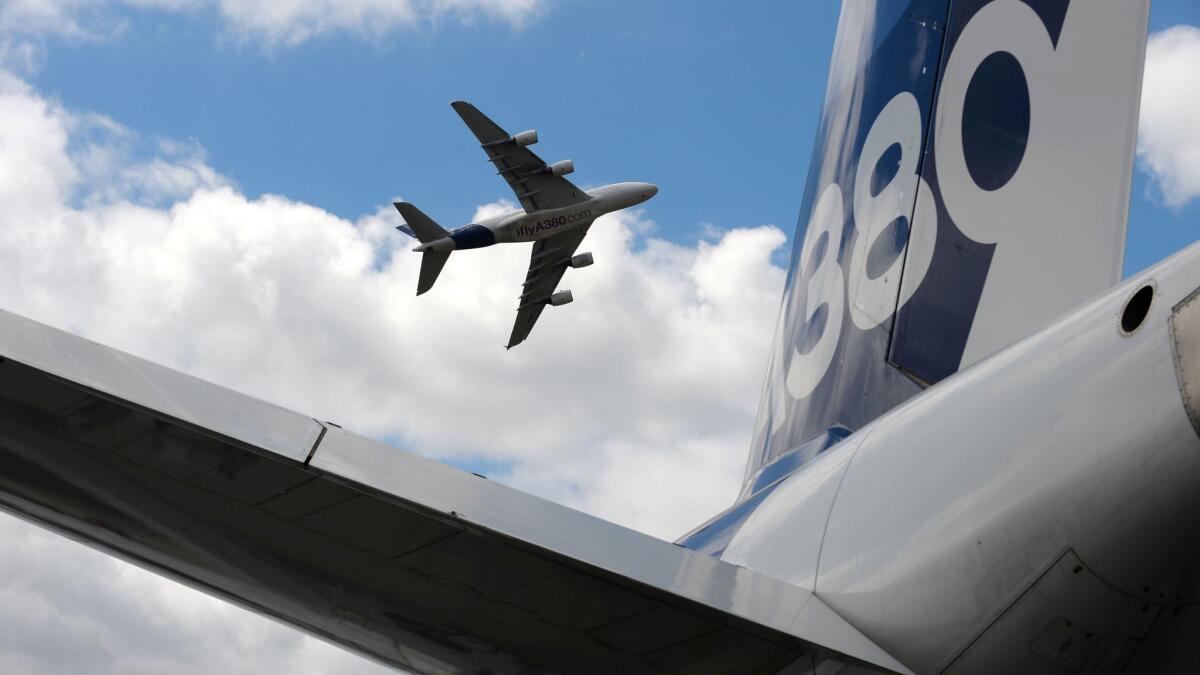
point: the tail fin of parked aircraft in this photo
(969, 183)
(426, 230)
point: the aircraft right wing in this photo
(525, 172)
(410, 562)
(547, 264)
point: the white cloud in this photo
(1169, 133)
(286, 22)
(634, 403)
(59, 17)
(294, 21)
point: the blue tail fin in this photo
(970, 182)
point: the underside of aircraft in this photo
(978, 450)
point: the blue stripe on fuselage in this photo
(473, 236)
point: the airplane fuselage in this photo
(520, 227)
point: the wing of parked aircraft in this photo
(402, 559)
(532, 181)
(547, 264)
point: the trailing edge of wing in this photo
(407, 561)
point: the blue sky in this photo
(716, 102)
(1155, 229)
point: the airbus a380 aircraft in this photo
(977, 452)
(556, 218)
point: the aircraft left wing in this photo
(410, 562)
(528, 176)
(547, 264)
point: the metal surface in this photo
(405, 560)
(800, 508)
(1069, 621)
(151, 387)
(969, 184)
(952, 506)
(1185, 343)
(608, 549)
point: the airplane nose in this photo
(649, 191)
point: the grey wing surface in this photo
(525, 172)
(410, 562)
(547, 264)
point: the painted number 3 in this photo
(984, 212)
(872, 298)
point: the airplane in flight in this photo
(556, 218)
(977, 449)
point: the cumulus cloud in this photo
(287, 22)
(294, 21)
(43, 17)
(634, 403)
(1169, 133)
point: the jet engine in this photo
(561, 168)
(581, 260)
(561, 298)
(526, 138)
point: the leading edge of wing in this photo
(400, 558)
(481, 125)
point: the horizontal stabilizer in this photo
(413, 563)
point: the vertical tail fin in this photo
(432, 263)
(970, 182)
(423, 226)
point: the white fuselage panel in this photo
(944, 511)
(518, 227)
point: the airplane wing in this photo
(407, 561)
(524, 171)
(547, 264)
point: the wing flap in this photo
(407, 561)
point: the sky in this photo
(207, 183)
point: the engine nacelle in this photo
(561, 298)
(581, 260)
(561, 168)
(526, 138)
